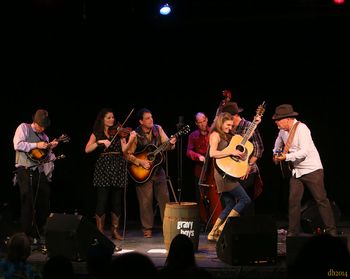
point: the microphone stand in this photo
(179, 157)
(34, 223)
(168, 177)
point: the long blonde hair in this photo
(218, 123)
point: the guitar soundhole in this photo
(240, 148)
(151, 157)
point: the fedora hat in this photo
(41, 117)
(284, 111)
(232, 107)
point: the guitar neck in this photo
(254, 123)
(249, 132)
(62, 138)
(49, 145)
(166, 144)
(162, 147)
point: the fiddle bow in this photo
(120, 127)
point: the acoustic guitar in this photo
(286, 167)
(233, 165)
(154, 155)
(38, 155)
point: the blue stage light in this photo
(165, 9)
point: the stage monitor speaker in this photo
(248, 240)
(72, 236)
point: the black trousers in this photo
(35, 200)
(109, 198)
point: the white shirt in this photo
(302, 152)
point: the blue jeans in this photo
(236, 199)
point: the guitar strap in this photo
(38, 135)
(290, 138)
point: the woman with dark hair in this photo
(110, 175)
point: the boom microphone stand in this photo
(168, 177)
(179, 156)
(35, 195)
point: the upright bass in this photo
(210, 206)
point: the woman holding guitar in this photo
(246, 137)
(30, 175)
(235, 197)
(210, 205)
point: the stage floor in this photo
(206, 256)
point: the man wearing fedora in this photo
(307, 168)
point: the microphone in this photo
(181, 123)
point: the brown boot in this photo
(100, 223)
(214, 230)
(233, 213)
(115, 226)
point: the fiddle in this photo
(118, 130)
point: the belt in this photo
(20, 168)
(110, 153)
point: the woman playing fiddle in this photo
(111, 141)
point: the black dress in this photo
(110, 168)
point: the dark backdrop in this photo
(75, 57)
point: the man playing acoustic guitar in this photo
(30, 175)
(148, 172)
(307, 168)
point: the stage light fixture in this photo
(165, 9)
(339, 2)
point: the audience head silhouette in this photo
(322, 256)
(18, 247)
(58, 267)
(181, 261)
(15, 265)
(98, 259)
(132, 264)
(181, 252)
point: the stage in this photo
(206, 256)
